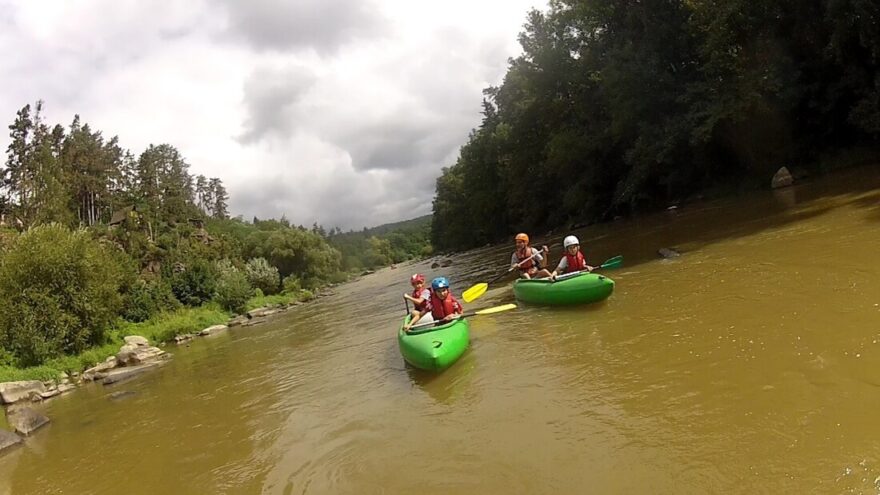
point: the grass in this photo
(278, 299)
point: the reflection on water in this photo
(749, 364)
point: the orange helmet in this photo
(522, 237)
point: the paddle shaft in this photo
(485, 311)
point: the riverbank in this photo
(162, 329)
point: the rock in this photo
(668, 252)
(12, 392)
(260, 312)
(179, 339)
(25, 420)
(367, 272)
(238, 320)
(136, 340)
(98, 375)
(127, 374)
(49, 394)
(799, 173)
(445, 263)
(102, 367)
(435, 265)
(141, 355)
(782, 178)
(252, 323)
(8, 439)
(121, 395)
(213, 330)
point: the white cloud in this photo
(349, 126)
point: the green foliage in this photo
(619, 106)
(165, 326)
(261, 301)
(291, 284)
(195, 283)
(146, 299)
(233, 288)
(383, 245)
(59, 292)
(262, 275)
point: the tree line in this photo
(617, 106)
(94, 237)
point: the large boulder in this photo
(12, 392)
(25, 420)
(139, 355)
(782, 178)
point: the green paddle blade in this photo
(615, 262)
(475, 292)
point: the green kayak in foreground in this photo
(577, 289)
(434, 348)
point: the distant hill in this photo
(385, 244)
(412, 224)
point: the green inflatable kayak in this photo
(434, 348)
(577, 289)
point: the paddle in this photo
(611, 263)
(487, 311)
(481, 288)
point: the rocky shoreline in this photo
(135, 357)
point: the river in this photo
(749, 364)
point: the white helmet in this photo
(570, 241)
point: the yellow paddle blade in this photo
(474, 292)
(496, 309)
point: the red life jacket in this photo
(575, 263)
(416, 294)
(527, 253)
(442, 307)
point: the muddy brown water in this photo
(750, 364)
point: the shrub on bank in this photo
(262, 275)
(233, 291)
(59, 291)
(146, 299)
(195, 283)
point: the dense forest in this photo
(93, 236)
(617, 106)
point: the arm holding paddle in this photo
(487, 311)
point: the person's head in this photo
(521, 240)
(441, 287)
(571, 244)
(417, 280)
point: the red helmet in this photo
(417, 277)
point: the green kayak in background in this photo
(581, 288)
(434, 348)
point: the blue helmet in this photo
(440, 283)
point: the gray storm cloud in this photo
(271, 97)
(323, 25)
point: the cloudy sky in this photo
(336, 111)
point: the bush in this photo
(262, 275)
(291, 284)
(194, 285)
(146, 299)
(233, 291)
(59, 292)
